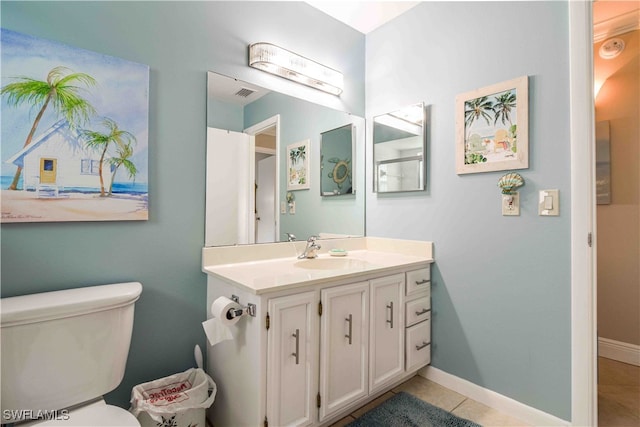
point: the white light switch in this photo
(292, 208)
(549, 203)
(283, 207)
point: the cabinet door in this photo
(344, 345)
(292, 359)
(386, 356)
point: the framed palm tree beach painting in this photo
(74, 133)
(298, 166)
(492, 128)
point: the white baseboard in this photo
(511, 407)
(620, 351)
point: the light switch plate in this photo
(283, 207)
(549, 203)
(511, 204)
(292, 208)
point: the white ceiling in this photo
(609, 16)
(364, 16)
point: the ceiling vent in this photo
(244, 92)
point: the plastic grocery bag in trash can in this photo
(178, 400)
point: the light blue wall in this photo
(501, 285)
(180, 41)
(224, 115)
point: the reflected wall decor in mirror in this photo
(399, 147)
(248, 130)
(337, 151)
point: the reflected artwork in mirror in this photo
(336, 161)
(248, 131)
(399, 146)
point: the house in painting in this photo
(57, 160)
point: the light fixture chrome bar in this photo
(281, 62)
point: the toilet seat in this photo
(96, 414)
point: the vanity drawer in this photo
(418, 347)
(418, 280)
(418, 310)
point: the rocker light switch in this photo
(549, 203)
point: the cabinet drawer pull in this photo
(420, 313)
(297, 353)
(390, 307)
(420, 347)
(350, 320)
(422, 282)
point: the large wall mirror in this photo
(249, 130)
(399, 146)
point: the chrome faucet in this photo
(311, 251)
(291, 237)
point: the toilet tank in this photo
(63, 348)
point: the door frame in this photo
(584, 366)
(252, 131)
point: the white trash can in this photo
(178, 400)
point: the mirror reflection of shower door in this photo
(265, 200)
(229, 201)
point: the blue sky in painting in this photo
(121, 93)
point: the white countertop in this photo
(282, 271)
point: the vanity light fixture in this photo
(281, 62)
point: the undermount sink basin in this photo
(330, 264)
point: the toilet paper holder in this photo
(250, 309)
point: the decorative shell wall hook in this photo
(509, 182)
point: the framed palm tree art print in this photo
(74, 133)
(492, 128)
(298, 166)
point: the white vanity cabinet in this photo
(418, 318)
(292, 362)
(386, 351)
(344, 346)
(324, 345)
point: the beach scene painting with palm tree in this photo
(492, 128)
(74, 133)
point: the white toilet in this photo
(62, 351)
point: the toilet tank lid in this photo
(67, 303)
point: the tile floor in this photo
(618, 399)
(618, 394)
(444, 398)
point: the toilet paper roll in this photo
(217, 328)
(216, 331)
(221, 306)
